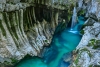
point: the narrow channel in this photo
(59, 52)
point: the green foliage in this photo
(78, 66)
(7, 63)
(69, 14)
(76, 61)
(82, 32)
(96, 46)
(81, 12)
(84, 26)
(69, 17)
(91, 65)
(94, 43)
(46, 41)
(85, 49)
(14, 61)
(2, 28)
(96, 66)
(79, 55)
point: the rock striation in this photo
(24, 29)
(21, 33)
(26, 26)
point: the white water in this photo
(74, 18)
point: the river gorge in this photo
(49, 33)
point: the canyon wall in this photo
(87, 53)
(26, 26)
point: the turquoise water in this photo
(62, 43)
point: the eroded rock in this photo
(88, 50)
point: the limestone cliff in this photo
(25, 31)
(28, 25)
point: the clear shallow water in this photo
(62, 43)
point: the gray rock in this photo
(13, 1)
(16, 39)
(2, 1)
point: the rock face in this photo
(26, 26)
(88, 50)
(24, 29)
(22, 32)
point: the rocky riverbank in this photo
(87, 53)
(26, 26)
